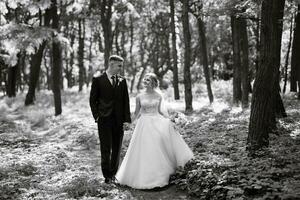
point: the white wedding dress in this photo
(154, 152)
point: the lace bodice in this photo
(149, 105)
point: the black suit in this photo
(110, 108)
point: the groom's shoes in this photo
(113, 180)
(107, 180)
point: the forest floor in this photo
(47, 157)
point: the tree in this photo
(35, 64)
(174, 51)
(81, 35)
(265, 84)
(12, 80)
(204, 56)
(106, 12)
(187, 57)
(240, 59)
(196, 8)
(57, 61)
(295, 62)
(287, 57)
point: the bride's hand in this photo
(126, 126)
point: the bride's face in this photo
(147, 82)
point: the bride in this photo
(155, 149)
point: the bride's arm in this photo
(159, 108)
(136, 113)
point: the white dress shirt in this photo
(109, 77)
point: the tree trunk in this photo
(131, 53)
(241, 80)
(187, 58)
(237, 90)
(57, 62)
(2, 76)
(262, 111)
(35, 66)
(204, 57)
(244, 47)
(11, 81)
(117, 32)
(174, 52)
(257, 45)
(132, 82)
(81, 54)
(106, 13)
(287, 57)
(90, 70)
(48, 70)
(278, 109)
(141, 77)
(142, 59)
(295, 63)
(69, 71)
(22, 64)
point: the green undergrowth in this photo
(222, 168)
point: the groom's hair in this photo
(116, 58)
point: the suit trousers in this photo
(111, 136)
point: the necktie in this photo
(114, 81)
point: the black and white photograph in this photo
(149, 99)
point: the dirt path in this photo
(45, 157)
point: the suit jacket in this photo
(106, 100)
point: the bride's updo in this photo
(153, 78)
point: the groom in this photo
(109, 102)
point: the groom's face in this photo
(116, 66)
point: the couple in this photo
(155, 149)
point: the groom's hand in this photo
(126, 126)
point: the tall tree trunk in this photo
(138, 87)
(48, 69)
(21, 65)
(237, 63)
(295, 63)
(14, 76)
(106, 13)
(266, 79)
(57, 62)
(132, 82)
(81, 54)
(142, 59)
(117, 32)
(131, 54)
(35, 66)
(23, 72)
(2, 75)
(187, 58)
(174, 52)
(90, 70)
(287, 57)
(204, 57)
(257, 45)
(245, 62)
(11, 81)
(123, 40)
(69, 72)
(278, 107)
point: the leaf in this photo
(3, 8)
(12, 4)
(33, 9)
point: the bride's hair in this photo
(153, 78)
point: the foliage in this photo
(222, 169)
